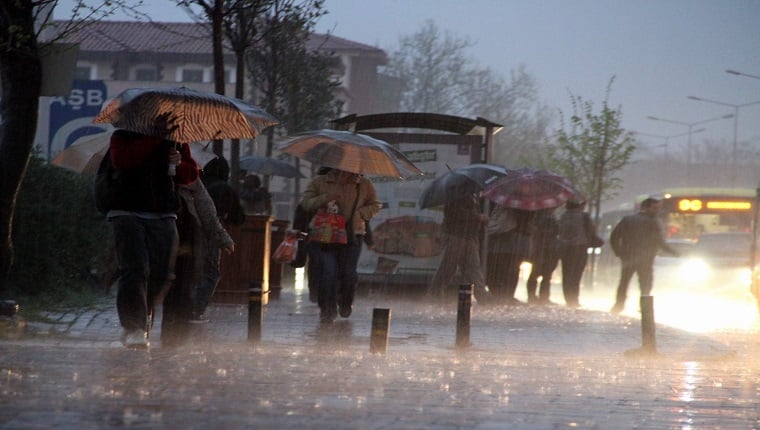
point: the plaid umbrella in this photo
(184, 115)
(530, 189)
(350, 152)
(459, 182)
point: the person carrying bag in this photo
(337, 254)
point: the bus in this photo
(687, 213)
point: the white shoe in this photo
(135, 339)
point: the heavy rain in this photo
(431, 340)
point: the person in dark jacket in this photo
(575, 229)
(635, 240)
(230, 212)
(143, 211)
(544, 257)
(509, 244)
(460, 232)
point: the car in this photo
(714, 261)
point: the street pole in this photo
(734, 72)
(736, 128)
(690, 126)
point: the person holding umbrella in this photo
(138, 179)
(575, 228)
(460, 232)
(356, 200)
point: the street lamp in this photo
(734, 72)
(736, 128)
(666, 139)
(690, 126)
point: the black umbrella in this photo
(459, 182)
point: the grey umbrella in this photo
(269, 166)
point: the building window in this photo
(230, 76)
(146, 74)
(83, 73)
(192, 75)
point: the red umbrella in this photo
(530, 189)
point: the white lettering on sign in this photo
(79, 98)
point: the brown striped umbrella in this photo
(185, 115)
(350, 152)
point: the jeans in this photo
(337, 276)
(146, 251)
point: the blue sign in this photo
(71, 117)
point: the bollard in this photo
(648, 341)
(255, 312)
(381, 322)
(463, 315)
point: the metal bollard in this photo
(464, 309)
(255, 311)
(381, 322)
(648, 341)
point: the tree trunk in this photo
(20, 77)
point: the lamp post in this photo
(666, 139)
(734, 72)
(690, 126)
(736, 128)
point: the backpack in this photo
(106, 184)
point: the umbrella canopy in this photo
(84, 154)
(459, 182)
(350, 152)
(185, 115)
(269, 166)
(530, 189)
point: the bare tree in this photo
(436, 75)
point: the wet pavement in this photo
(527, 367)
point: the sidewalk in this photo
(527, 367)
(415, 325)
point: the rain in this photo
(523, 366)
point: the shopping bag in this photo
(287, 249)
(328, 227)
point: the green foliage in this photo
(591, 149)
(58, 235)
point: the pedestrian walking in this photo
(136, 188)
(636, 240)
(509, 245)
(544, 257)
(200, 234)
(460, 237)
(355, 199)
(228, 212)
(574, 230)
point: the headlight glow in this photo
(694, 270)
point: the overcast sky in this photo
(660, 51)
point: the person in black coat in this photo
(544, 257)
(635, 240)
